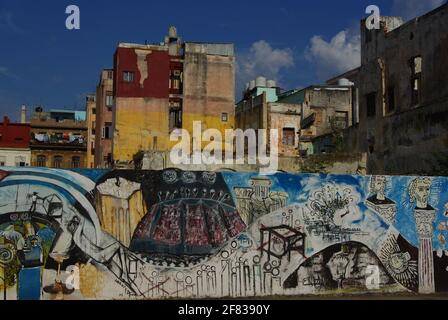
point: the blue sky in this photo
(295, 42)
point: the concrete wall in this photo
(183, 234)
(405, 139)
(141, 115)
(285, 116)
(258, 113)
(209, 88)
(139, 123)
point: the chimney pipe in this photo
(23, 114)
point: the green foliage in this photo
(311, 166)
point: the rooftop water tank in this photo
(251, 84)
(260, 82)
(344, 82)
(271, 84)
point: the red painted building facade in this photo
(14, 144)
(14, 135)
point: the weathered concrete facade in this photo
(160, 88)
(91, 129)
(104, 119)
(263, 108)
(403, 91)
(324, 110)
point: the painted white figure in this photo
(378, 186)
(419, 191)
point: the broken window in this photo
(289, 137)
(416, 79)
(371, 104)
(175, 79)
(341, 119)
(390, 99)
(128, 76)
(107, 131)
(175, 120)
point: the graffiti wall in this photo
(98, 234)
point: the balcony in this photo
(65, 141)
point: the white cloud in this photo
(342, 53)
(409, 9)
(262, 60)
(7, 22)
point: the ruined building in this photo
(159, 88)
(262, 107)
(403, 95)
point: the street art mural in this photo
(101, 234)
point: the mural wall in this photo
(98, 234)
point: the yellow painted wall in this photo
(136, 128)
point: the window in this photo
(109, 101)
(76, 162)
(371, 104)
(57, 162)
(107, 131)
(175, 79)
(107, 159)
(110, 75)
(41, 161)
(20, 161)
(289, 136)
(175, 115)
(416, 79)
(390, 99)
(128, 76)
(341, 119)
(93, 110)
(2, 161)
(93, 127)
(224, 117)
